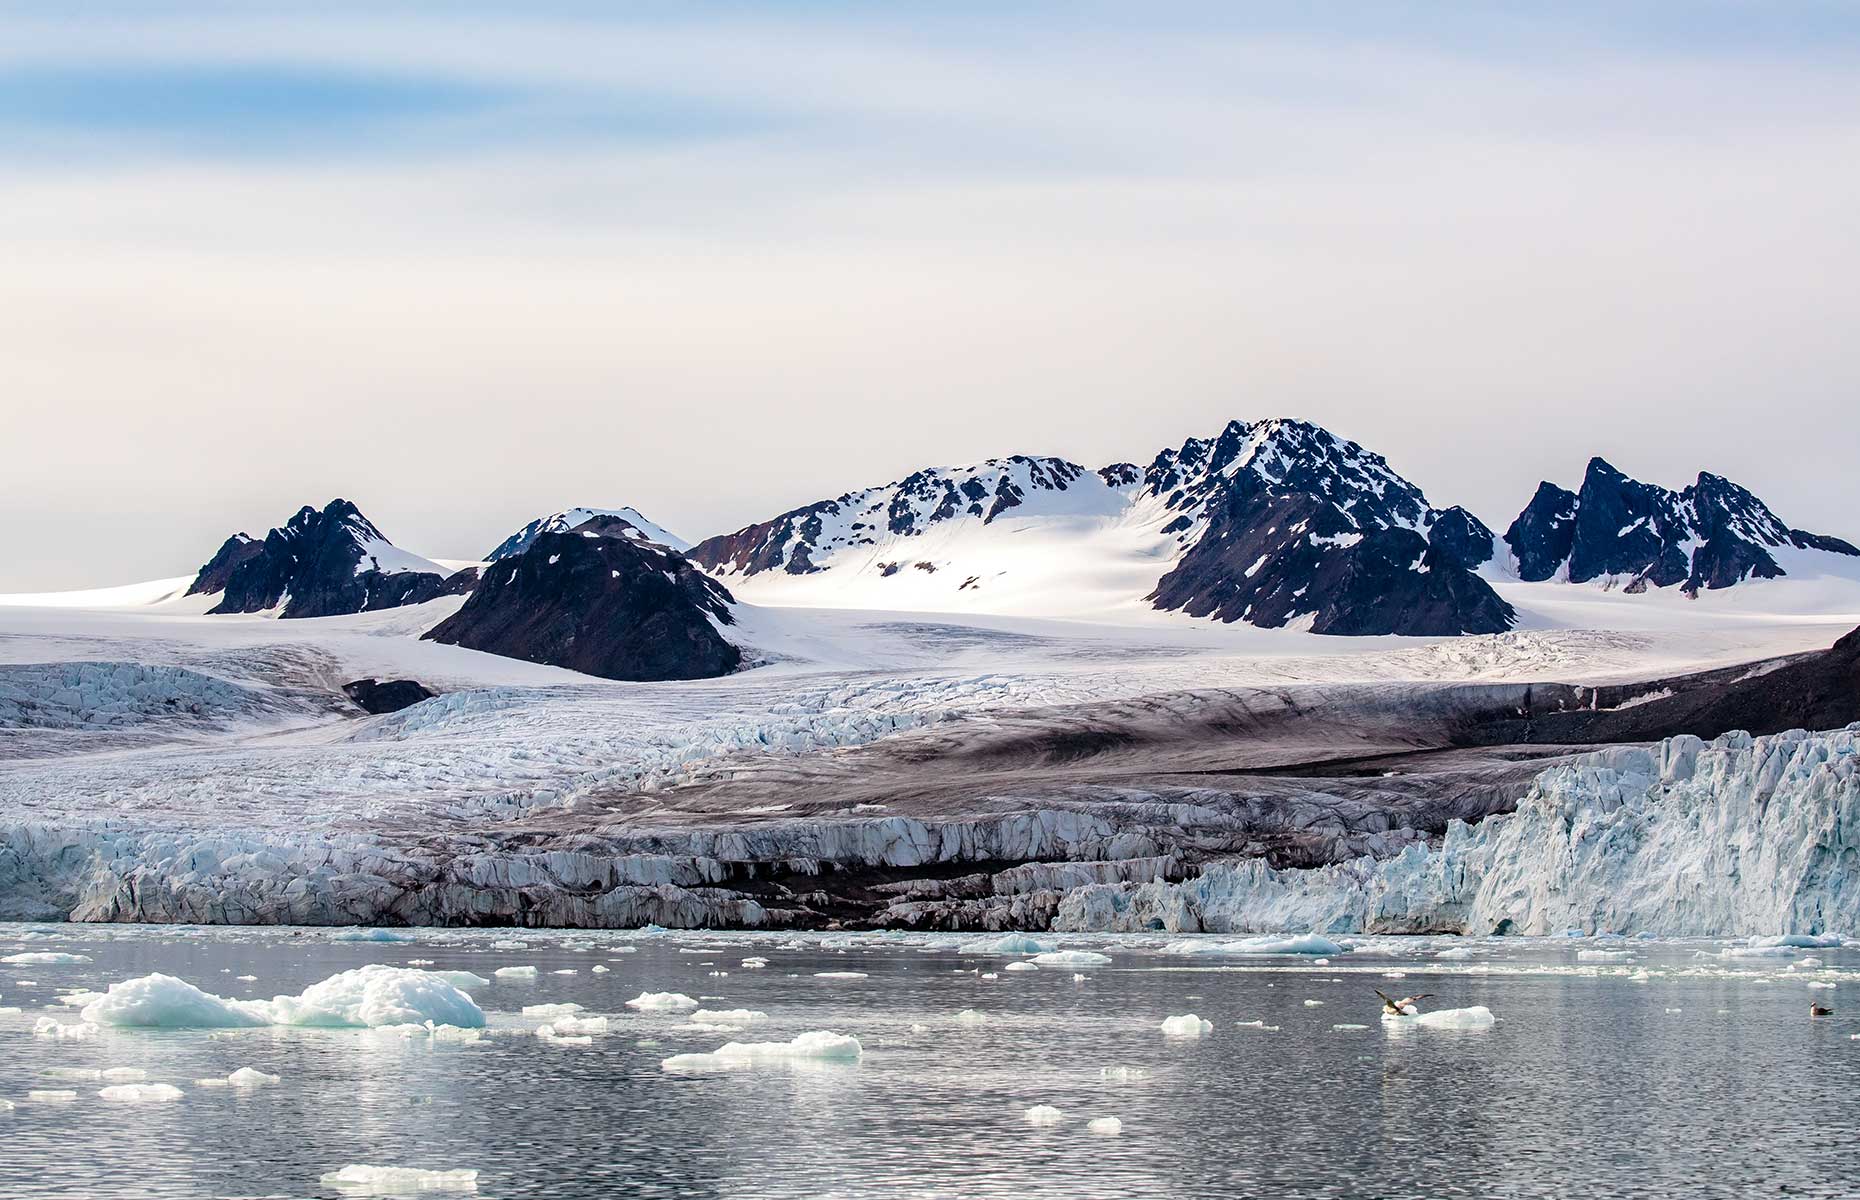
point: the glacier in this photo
(1737, 836)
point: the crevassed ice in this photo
(1616, 840)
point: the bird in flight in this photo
(1404, 1007)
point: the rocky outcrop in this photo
(377, 696)
(1712, 534)
(611, 522)
(611, 606)
(318, 564)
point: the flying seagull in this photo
(1404, 1007)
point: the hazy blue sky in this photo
(465, 264)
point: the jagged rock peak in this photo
(319, 563)
(618, 522)
(1711, 534)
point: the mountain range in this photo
(1276, 523)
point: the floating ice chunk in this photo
(141, 1093)
(79, 999)
(1457, 953)
(1188, 1025)
(371, 935)
(1105, 1126)
(1804, 940)
(969, 1016)
(1009, 943)
(1346, 1028)
(579, 1026)
(1021, 966)
(6, 1106)
(1314, 1004)
(662, 1002)
(1756, 952)
(47, 1027)
(1309, 943)
(162, 1001)
(254, 978)
(550, 1010)
(990, 975)
(1601, 956)
(1077, 978)
(566, 971)
(1819, 984)
(50, 1096)
(510, 944)
(82, 1074)
(1044, 1114)
(1261, 1025)
(1671, 1011)
(463, 980)
(44, 958)
(1476, 1017)
(839, 975)
(123, 1075)
(366, 996)
(597, 969)
(515, 972)
(733, 1016)
(817, 1045)
(360, 1179)
(251, 1077)
(1122, 1074)
(755, 963)
(1071, 958)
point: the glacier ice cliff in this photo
(1735, 836)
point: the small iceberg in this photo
(662, 1002)
(1044, 1114)
(44, 959)
(1011, 943)
(368, 996)
(360, 1179)
(1476, 1017)
(819, 1046)
(1104, 1126)
(1188, 1025)
(1071, 958)
(371, 935)
(1309, 943)
(141, 1093)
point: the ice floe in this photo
(1105, 1126)
(141, 1093)
(361, 1179)
(373, 995)
(1044, 1114)
(662, 1002)
(1188, 1025)
(816, 1045)
(1071, 958)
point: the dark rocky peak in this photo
(319, 563)
(609, 606)
(213, 577)
(1712, 534)
(796, 541)
(1286, 455)
(1541, 537)
(1461, 539)
(617, 522)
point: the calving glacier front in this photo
(1735, 836)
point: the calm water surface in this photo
(1588, 1085)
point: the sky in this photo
(466, 264)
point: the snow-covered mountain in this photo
(1712, 534)
(603, 603)
(623, 522)
(318, 564)
(1271, 523)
